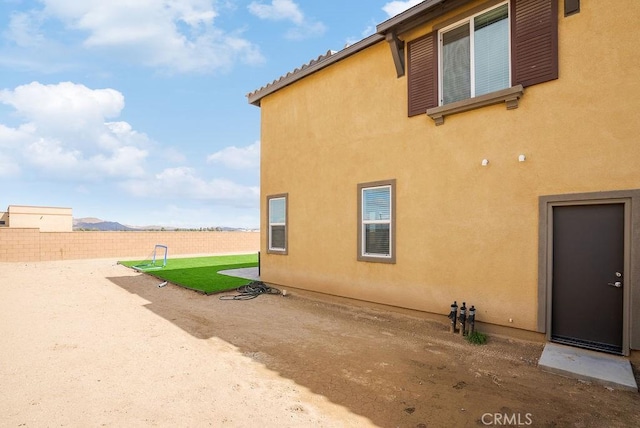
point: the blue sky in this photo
(136, 111)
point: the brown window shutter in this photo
(422, 73)
(534, 41)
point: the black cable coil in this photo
(251, 291)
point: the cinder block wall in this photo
(28, 245)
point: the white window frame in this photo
(468, 21)
(363, 222)
(270, 224)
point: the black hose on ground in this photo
(251, 291)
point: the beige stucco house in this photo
(478, 151)
(47, 219)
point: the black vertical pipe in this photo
(463, 318)
(472, 319)
(453, 316)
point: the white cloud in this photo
(8, 167)
(369, 30)
(65, 132)
(174, 155)
(278, 10)
(122, 162)
(311, 29)
(51, 155)
(183, 182)
(24, 31)
(9, 137)
(174, 35)
(247, 158)
(54, 158)
(121, 133)
(64, 106)
(396, 7)
(288, 10)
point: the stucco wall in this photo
(27, 245)
(47, 219)
(464, 231)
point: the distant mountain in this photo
(91, 223)
(153, 227)
(88, 220)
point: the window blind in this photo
(491, 51)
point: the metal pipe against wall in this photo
(472, 319)
(463, 318)
(453, 316)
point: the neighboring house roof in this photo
(407, 20)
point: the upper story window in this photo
(474, 56)
(482, 56)
(277, 218)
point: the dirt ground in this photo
(92, 343)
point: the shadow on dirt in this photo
(350, 357)
(395, 369)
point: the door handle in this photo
(616, 284)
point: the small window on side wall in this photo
(376, 221)
(277, 224)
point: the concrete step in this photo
(606, 369)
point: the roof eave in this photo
(255, 96)
(408, 14)
(405, 21)
(418, 15)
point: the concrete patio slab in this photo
(246, 273)
(588, 365)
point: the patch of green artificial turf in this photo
(200, 273)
